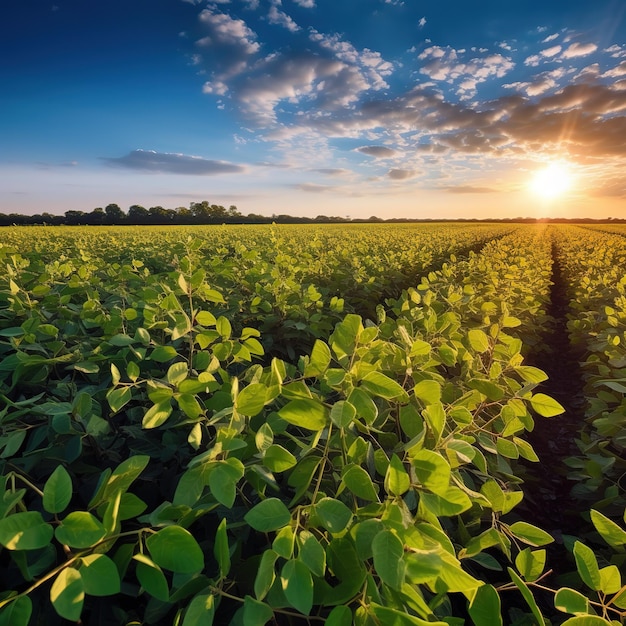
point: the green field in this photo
(351, 423)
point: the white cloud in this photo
(226, 30)
(227, 49)
(447, 64)
(579, 50)
(617, 52)
(422, 22)
(533, 60)
(281, 19)
(370, 63)
(551, 52)
(307, 4)
(550, 38)
(618, 70)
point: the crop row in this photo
(372, 482)
(593, 265)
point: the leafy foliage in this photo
(159, 465)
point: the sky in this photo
(351, 108)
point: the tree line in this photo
(198, 213)
(206, 213)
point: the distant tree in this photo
(73, 218)
(137, 214)
(205, 213)
(159, 215)
(184, 215)
(114, 214)
(97, 216)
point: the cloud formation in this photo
(499, 103)
(378, 152)
(173, 163)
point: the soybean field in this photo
(369, 424)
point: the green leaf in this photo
(531, 534)
(80, 529)
(378, 384)
(397, 481)
(586, 620)
(428, 391)
(115, 375)
(608, 529)
(531, 374)
(201, 611)
(571, 601)
(587, 566)
(162, 354)
(305, 413)
(118, 397)
(124, 475)
(268, 515)
(297, 585)
(265, 574)
(319, 360)
(453, 501)
(393, 617)
(359, 482)
(100, 575)
(312, 554)
(251, 399)
(25, 531)
(435, 417)
(132, 371)
(388, 552)
(611, 579)
(205, 318)
(530, 563)
(17, 613)
(545, 405)
(57, 492)
(484, 609)
(223, 481)
(175, 549)
(177, 372)
(334, 514)
(339, 616)
(256, 613)
(432, 470)
(224, 327)
(366, 408)
(278, 459)
(528, 597)
(67, 594)
(342, 413)
(478, 340)
(157, 414)
(152, 578)
(221, 549)
(189, 405)
(507, 448)
(487, 387)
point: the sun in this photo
(552, 181)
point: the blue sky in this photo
(337, 107)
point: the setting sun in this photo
(552, 181)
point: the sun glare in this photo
(552, 181)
